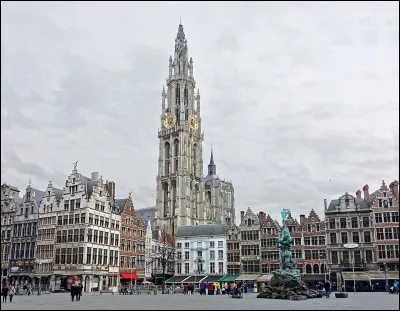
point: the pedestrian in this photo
(79, 289)
(4, 292)
(11, 292)
(206, 288)
(245, 288)
(73, 291)
(327, 288)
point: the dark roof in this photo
(177, 279)
(121, 204)
(212, 278)
(38, 195)
(201, 230)
(146, 214)
(357, 201)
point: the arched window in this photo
(167, 151)
(176, 147)
(249, 222)
(177, 95)
(186, 96)
(308, 269)
(316, 268)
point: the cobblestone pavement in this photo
(366, 301)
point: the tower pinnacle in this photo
(212, 168)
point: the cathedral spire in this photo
(212, 168)
(181, 63)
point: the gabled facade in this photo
(46, 232)
(132, 240)
(386, 214)
(23, 249)
(233, 248)
(10, 202)
(87, 234)
(269, 233)
(249, 242)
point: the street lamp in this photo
(40, 277)
(352, 246)
(385, 269)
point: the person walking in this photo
(11, 292)
(73, 291)
(4, 292)
(327, 288)
(79, 292)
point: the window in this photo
(186, 268)
(63, 254)
(212, 255)
(65, 220)
(179, 256)
(95, 256)
(80, 255)
(381, 252)
(74, 255)
(343, 223)
(365, 221)
(77, 217)
(388, 234)
(212, 267)
(386, 217)
(95, 236)
(101, 237)
(179, 268)
(221, 254)
(332, 237)
(368, 256)
(379, 234)
(356, 237)
(57, 258)
(89, 235)
(395, 233)
(186, 255)
(101, 221)
(367, 237)
(220, 244)
(314, 240)
(105, 259)
(378, 218)
(179, 245)
(59, 221)
(395, 217)
(220, 267)
(70, 233)
(344, 238)
(76, 235)
(354, 222)
(112, 258)
(186, 244)
(66, 205)
(96, 220)
(90, 218)
(105, 238)
(334, 255)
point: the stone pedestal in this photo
(286, 284)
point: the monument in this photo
(286, 282)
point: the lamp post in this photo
(352, 246)
(385, 269)
(40, 277)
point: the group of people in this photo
(218, 288)
(7, 291)
(76, 291)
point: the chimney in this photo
(303, 219)
(358, 194)
(261, 217)
(394, 187)
(241, 216)
(366, 192)
(111, 189)
(325, 204)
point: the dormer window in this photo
(385, 204)
(390, 202)
(384, 194)
(249, 222)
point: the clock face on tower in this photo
(170, 121)
(193, 123)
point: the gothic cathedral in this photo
(180, 183)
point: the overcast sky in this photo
(300, 100)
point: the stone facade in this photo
(233, 248)
(87, 234)
(350, 220)
(219, 196)
(132, 239)
(249, 242)
(46, 233)
(23, 249)
(180, 182)
(10, 202)
(386, 215)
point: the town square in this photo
(197, 155)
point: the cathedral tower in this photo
(180, 184)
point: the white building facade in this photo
(87, 235)
(201, 250)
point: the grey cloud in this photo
(287, 107)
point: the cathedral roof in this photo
(201, 230)
(146, 214)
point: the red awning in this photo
(129, 276)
